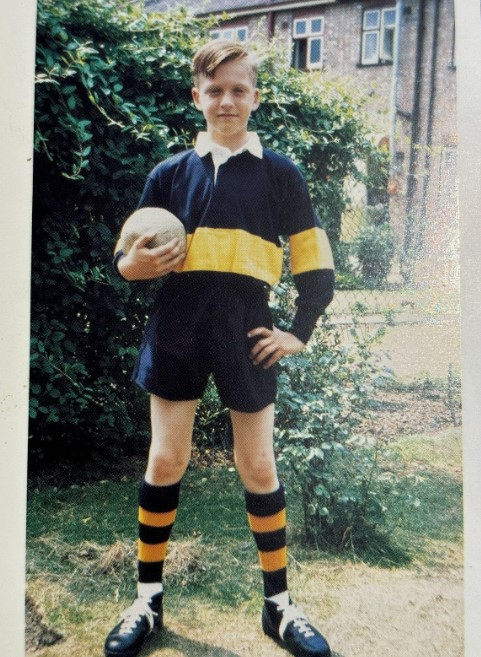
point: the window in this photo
(308, 43)
(378, 35)
(230, 33)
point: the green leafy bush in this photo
(112, 99)
(321, 125)
(346, 277)
(375, 247)
(324, 397)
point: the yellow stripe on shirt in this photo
(309, 250)
(234, 251)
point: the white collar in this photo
(204, 145)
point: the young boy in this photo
(212, 317)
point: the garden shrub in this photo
(346, 277)
(375, 247)
(325, 399)
(112, 99)
(326, 395)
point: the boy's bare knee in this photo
(164, 469)
(258, 475)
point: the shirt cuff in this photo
(303, 325)
(118, 256)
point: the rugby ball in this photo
(163, 223)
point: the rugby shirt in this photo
(235, 215)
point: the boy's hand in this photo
(142, 263)
(273, 345)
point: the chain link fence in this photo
(368, 279)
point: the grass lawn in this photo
(81, 554)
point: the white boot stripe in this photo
(131, 616)
(294, 614)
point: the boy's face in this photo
(226, 101)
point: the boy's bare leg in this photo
(172, 423)
(254, 450)
(169, 455)
(266, 511)
(265, 499)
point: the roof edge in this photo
(267, 8)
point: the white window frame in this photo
(231, 33)
(380, 30)
(310, 35)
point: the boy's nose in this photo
(226, 100)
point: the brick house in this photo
(401, 53)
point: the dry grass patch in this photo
(185, 557)
(90, 560)
(440, 452)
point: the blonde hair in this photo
(217, 52)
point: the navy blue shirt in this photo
(235, 221)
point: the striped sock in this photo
(157, 510)
(267, 520)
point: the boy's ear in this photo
(196, 97)
(257, 99)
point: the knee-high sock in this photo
(157, 510)
(267, 520)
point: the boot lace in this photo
(134, 614)
(292, 613)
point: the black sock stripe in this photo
(159, 499)
(153, 535)
(270, 541)
(267, 504)
(275, 582)
(150, 572)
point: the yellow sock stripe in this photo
(261, 525)
(310, 250)
(235, 251)
(156, 519)
(275, 560)
(151, 553)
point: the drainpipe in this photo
(394, 84)
(429, 133)
(407, 258)
(270, 26)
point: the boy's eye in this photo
(214, 91)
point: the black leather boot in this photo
(140, 620)
(288, 626)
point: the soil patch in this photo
(399, 413)
(37, 634)
(399, 613)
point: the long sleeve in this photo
(311, 260)
(316, 291)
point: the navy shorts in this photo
(198, 328)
